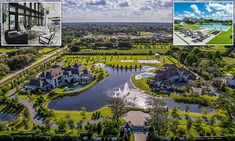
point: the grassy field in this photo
(77, 117)
(141, 84)
(46, 50)
(188, 26)
(131, 51)
(222, 49)
(229, 60)
(60, 90)
(116, 61)
(223, 38)
(5, 50)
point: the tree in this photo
(83, 112)
(99, 128)
(62, 125)
(117, 106)
(158, 116)
(187, 108)
(173, 126)
(26, 124)
(226, 102)
(71, 123)
(191, 59)
(217, 55)
(3, 126)
(189, 124)
(175, 111)
(4, 69)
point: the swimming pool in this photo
(215, 26)
(148, 75)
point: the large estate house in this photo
(57, 76)
(169, 75)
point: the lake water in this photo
(97, 96)
(8, 117)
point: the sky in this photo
(205, 10)
(115, 10)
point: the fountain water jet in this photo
(133, 97)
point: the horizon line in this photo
(114, 22)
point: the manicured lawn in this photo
(222, 49)
(116, 61)
(77, 117)
(131, 51)
(188, 26)
(229, 60)
(5, 50)
(223, 38)
(136, 49)
(47, 50)
(60, 90)
(142, 33)
(141, 84)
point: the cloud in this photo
(97, 2)
(145, 8)
(117, 10)
(188, 14)
(195, 9)
(228, 8)
(208, 8)
(124, 4)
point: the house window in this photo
(21, 11)
(12, 22)
(12, 9)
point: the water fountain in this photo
(133, 97)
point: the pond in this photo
(192, 107)
(8, 117)
(97, 96)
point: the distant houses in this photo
(230, 80)
(169, 75)
(57, 76)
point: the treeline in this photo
(193, 99)
(204, 63)
(11, 103)
(17, 60)
(36, 137)
(27, 74)
(110, 53)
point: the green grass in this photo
(131, 51)
(141, 84)
(142, 33)
(6, 50)
(132, 138)
(189, 26)
(60, 90)
(77, 117)
(223, 38)
(229, 60)
(115, 61)
(46, 50)
(222, 49)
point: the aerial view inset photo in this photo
(203, 23)
(25, 24)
